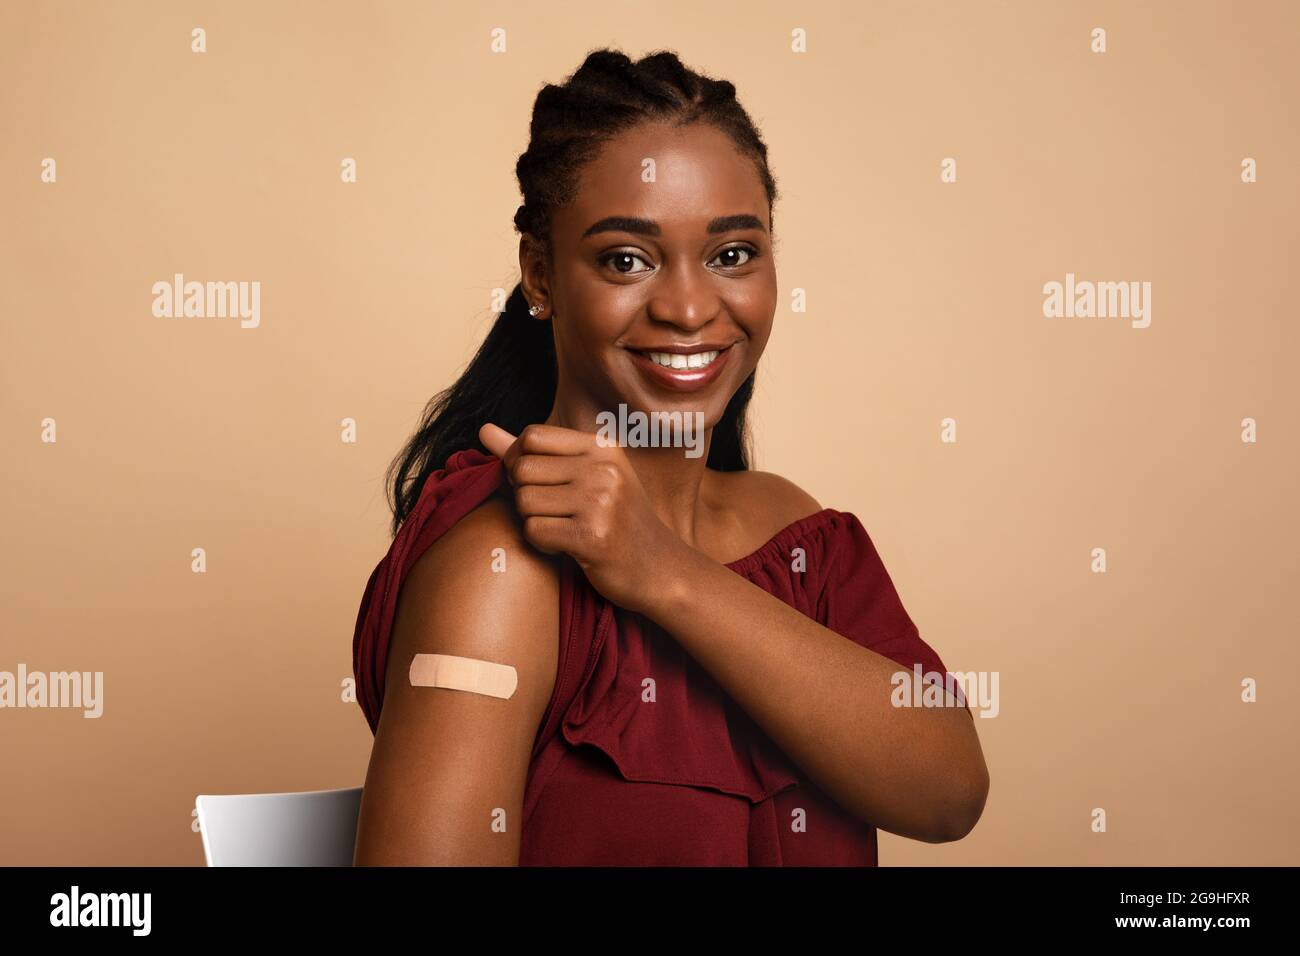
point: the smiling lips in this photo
(682, 369)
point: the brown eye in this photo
(621, 258)
(749, 254)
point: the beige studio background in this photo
(1119, 691)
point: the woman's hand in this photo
(584, 499)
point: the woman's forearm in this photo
(826, 702)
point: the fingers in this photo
(502, 444)
(542, 454)
(496, 439)
(543, 470)
(548, 501)
(544, 464)
(549, 534)
(539, 440)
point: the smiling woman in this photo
(704, 654)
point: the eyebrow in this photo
(648, 227)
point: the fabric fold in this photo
(660, 718)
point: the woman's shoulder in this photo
(483, 551)
(766, 504)
(769, 494)
(481, 591)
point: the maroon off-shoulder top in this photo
(688, 778)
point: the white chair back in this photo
(312, 828)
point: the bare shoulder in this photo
(766, 496)
(480, 592)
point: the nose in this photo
(684, 297)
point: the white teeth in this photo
(677, 360)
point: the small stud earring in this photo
(535, 310)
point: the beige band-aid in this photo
(464, 673)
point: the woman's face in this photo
(680, 265)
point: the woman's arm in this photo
(824, 699)
(446, 778)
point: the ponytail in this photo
(509, 382)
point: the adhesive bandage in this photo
(464, 673)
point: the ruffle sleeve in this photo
(692, 733)
(660, 718)
(855, 597)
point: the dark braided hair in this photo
(511, 379)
